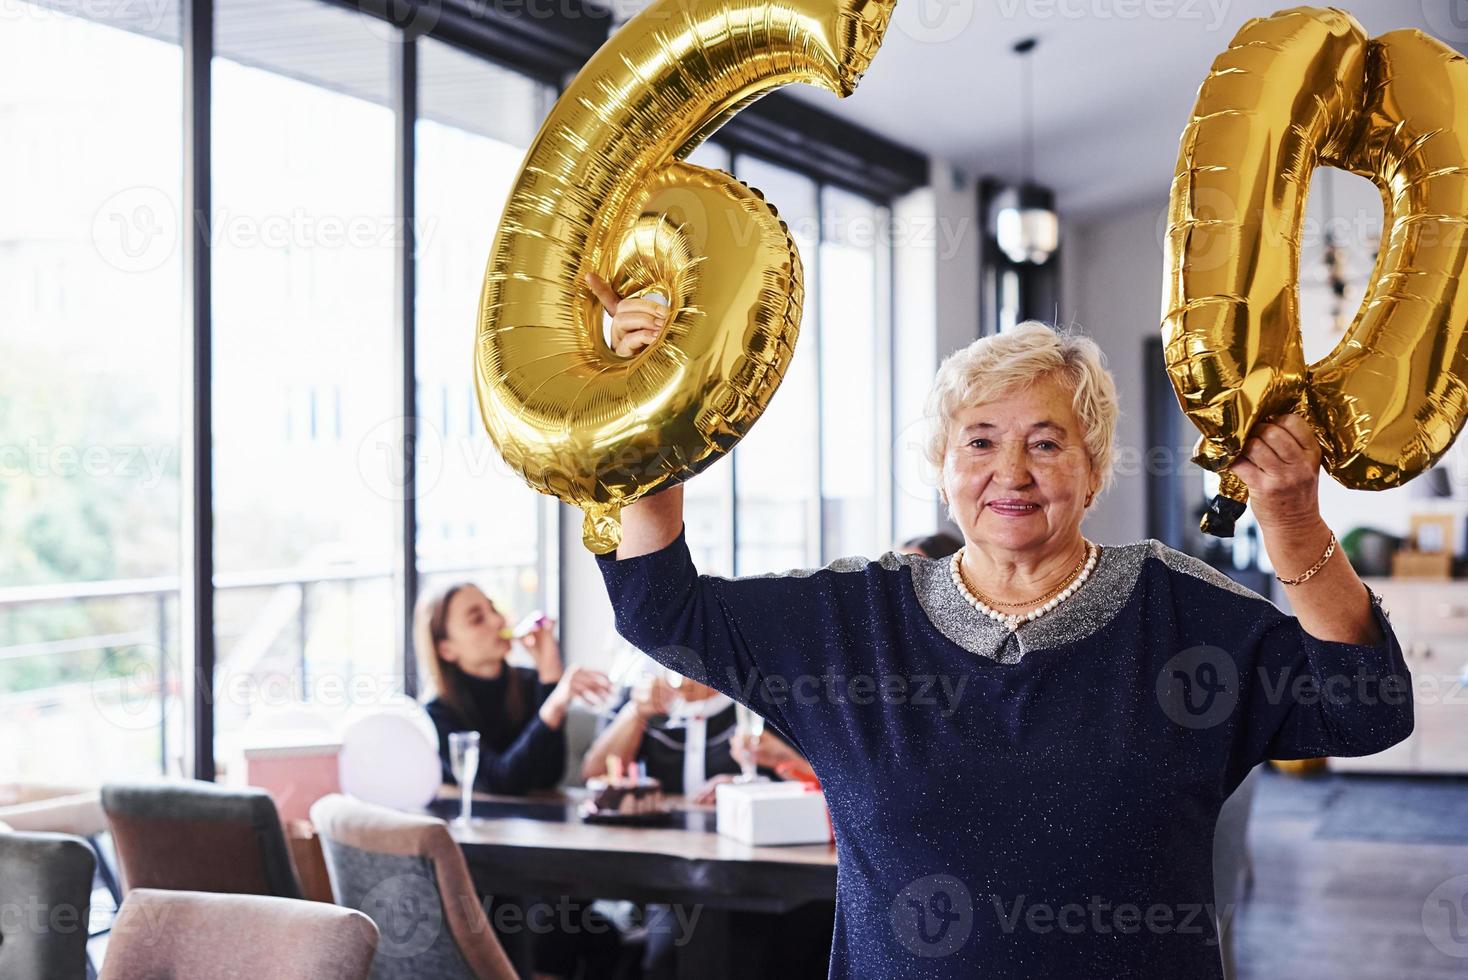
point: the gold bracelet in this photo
(1329, 550)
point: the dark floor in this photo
(1356, 877)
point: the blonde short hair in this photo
(997, 365)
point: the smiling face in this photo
(472, 638)
(1016, 473)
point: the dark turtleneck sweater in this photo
(512, 759)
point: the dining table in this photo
(539, 845)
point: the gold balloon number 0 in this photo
(604, 188)
(1305, 88)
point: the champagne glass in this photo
(627, 665)
(751, 724)
(677, 705)
(464, 760)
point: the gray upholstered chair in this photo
(47, 880)
(196, 836)
(183, 935)
(408, 875)
(52, 809)
(1233, 874)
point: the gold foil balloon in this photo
(1300, 89)
(603, 189)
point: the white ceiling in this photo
(1115, 82)
(1115, 79)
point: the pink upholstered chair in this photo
(406, 872)
(180, 935)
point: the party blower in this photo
(604, 189)
(1300, 89)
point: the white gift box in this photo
(772, 813)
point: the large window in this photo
(855, 397)
(89, 388)
(708, 499)
(307, 116)
(477, 520)
(776, 466)
(304, 409)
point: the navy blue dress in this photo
(1035, 803)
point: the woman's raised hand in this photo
(635, 322)
(653, 521)
(1280, 465)
(590, 686)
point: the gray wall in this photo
(1111, 289)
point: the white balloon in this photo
(391, 758)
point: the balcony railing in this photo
(295, 586)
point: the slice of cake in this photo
(628, 794)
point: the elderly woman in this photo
(1025, 747)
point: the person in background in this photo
(692, 754)
(938, 545)
(651, 727)
(462, 641)
(519, 712)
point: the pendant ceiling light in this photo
(1025, 223)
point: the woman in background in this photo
(463, 641)
(692, 755)
(519, 712)
(641, 730)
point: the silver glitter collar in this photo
(1092, 606)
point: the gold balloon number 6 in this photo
(604, 188)
(1300, 89)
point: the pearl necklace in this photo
(1014, 620)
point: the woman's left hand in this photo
(1280, 465)
(544, 648)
